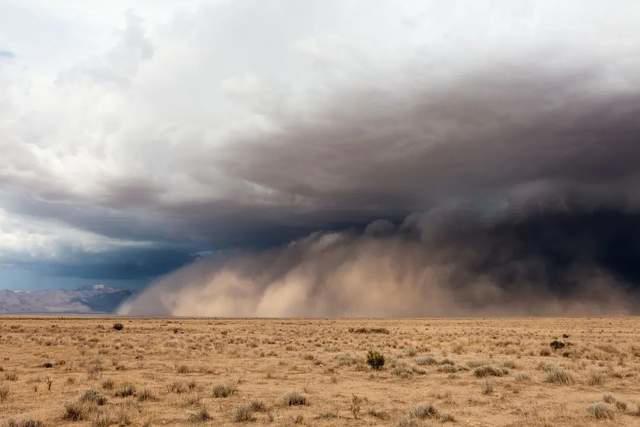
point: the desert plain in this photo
(83, 371)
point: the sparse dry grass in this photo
(283, 372)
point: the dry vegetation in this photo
(466, 372)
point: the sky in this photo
(139, 138)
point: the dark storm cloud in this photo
(552, 262)
(408, 147)
(517, 182)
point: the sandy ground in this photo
(466, 372)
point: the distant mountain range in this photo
(88, 299)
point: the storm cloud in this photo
(337, 159)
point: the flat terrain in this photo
(464, 372)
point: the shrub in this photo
(423, 411)
(425, 360)
(125, 390)
(102, 420)
(294, 398)
(490, 371)
(601, 411)
(108, 384)
(258, 406)
(596, 378)
(407, 422)
(243, 414)
(369, 330)
(177, 387)
(145, 395)
(381, 415)
(25, 423)
(375, 360)
(4, 393)
(93, 397)
(78, 411)
(118, 326)
(447, 418)
(223, 390)
(200, 417)
(448, 369)
(557, 375)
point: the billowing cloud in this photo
(553, 262)
(246, 125)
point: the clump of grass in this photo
(11, 376)
(294, 398)
(201, 416)
(242, 414)
(407, 422)
(258, 406)
(487, 387)
(183, 369)
(25, 423)
(425, 360)
(620, 405)
(346, 360)
(94, 397)
(118, 326)
(4, 393)
(108, 384)
(448, 369)
(125, 390)
(192, 400)
(601, 411)
(369, 330)
(447, 418)
(423, 411)
(102, 420)
(327, 416)
(490, 371)
(477, 363)
(223, 390)
(381, 415)
(146, 395)
(596, 378)
(556, 375)
(78, 411)
(522, 378)
(375, 360)
(177, 387)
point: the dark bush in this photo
(118, 326)
(375, 360)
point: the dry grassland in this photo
(459, 372)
